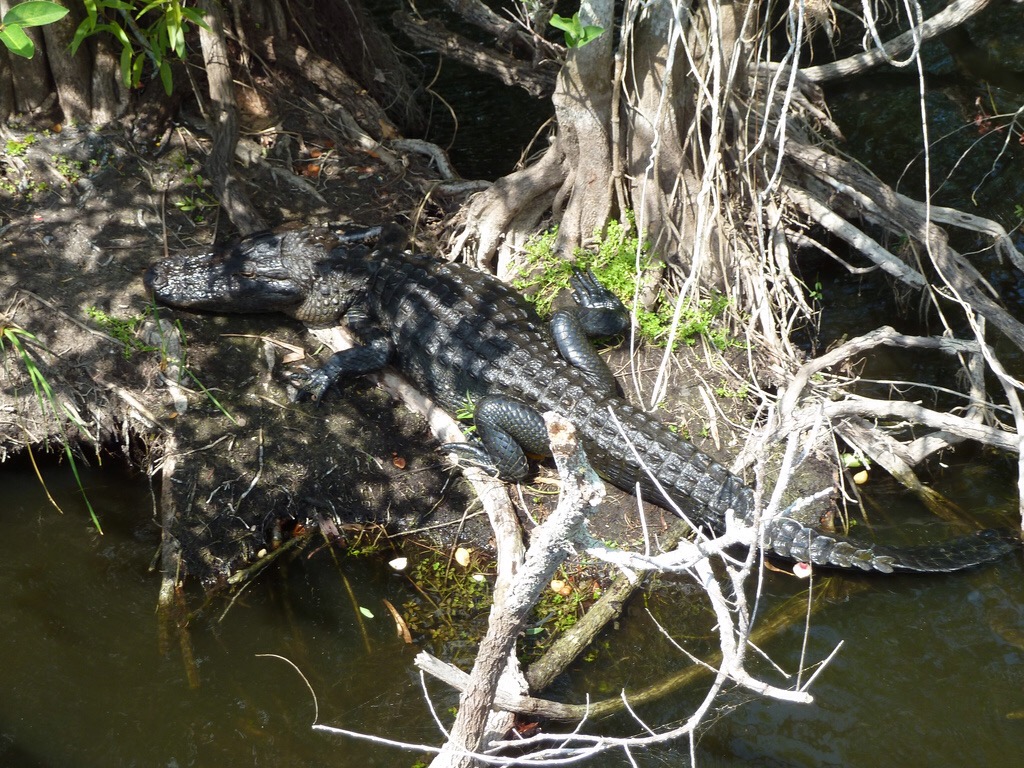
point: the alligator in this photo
(461, 335)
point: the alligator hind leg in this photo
(508, 430)
(600, 313)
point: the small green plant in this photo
(557, 611)
(68, 168)
(195, 204)
(18, 147)
(157, 27)
(724, 390)
(455, 603)
(614, 263)
(18, 339)
(31, 14)
(125, 330)
(198, 201)
(466, 413)
(816, 293)
(577, 34)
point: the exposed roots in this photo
(725, 160)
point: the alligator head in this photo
(299, 273)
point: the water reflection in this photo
(84, 682)
(932, 671)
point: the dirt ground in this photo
(82, 215)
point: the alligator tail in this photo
(792, 540)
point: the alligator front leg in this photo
(600, 313)
(374, 353)
(507, 430)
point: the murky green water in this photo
(84, 682)
(932, 671)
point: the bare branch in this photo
(953, 15)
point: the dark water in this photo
(84, 680)
(932, 671)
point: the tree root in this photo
(336, 83)
(504, 215)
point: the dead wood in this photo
(568, 646)
(549, 542)
(538, 81)
(953, 15)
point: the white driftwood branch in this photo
(952, 15)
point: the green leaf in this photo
(148, 8)
(564, 24)
(576, 35)
(83, 31)
(35, 14)
(17, 41)
(366, 612)
(195, 16)
(126, 66)
(117, 31)
(175, 32)
(137, 65)
(165, 76)
(590, 33)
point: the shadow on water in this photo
(85, 684)
(932, 671)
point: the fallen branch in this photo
(884, 336)
(549, 542)
(538, 82)
(876, 201)
(912, 413)
(953, 15)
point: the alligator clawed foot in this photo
(309, 383)
(590, 293)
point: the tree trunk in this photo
(7, 105)
(223, 119)
(583, 108)
(30, 77)
(71, 74)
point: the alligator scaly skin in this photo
(456, 332)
